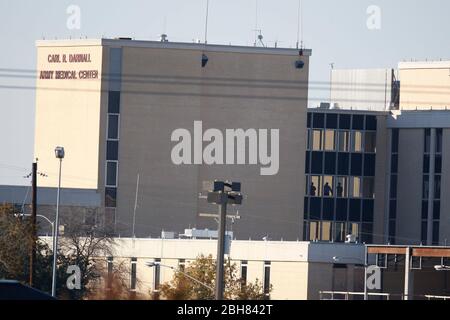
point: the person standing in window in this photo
(327, 191)
(339, 190)
(313, 189)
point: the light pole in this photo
(59, 153)
(155, 264)
(43, 217)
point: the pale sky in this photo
(336, 31)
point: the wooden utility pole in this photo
(33, 223)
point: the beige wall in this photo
(68, 115)
(424, 85)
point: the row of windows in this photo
(340, 187)
(337, 231)
(345, 164)
(354, 210)
(343, 141)
(319, 120)
(393, 187)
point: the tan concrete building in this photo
(116, 105)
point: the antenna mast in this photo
(300, 25)
(206, 22)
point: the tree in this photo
(204, 270)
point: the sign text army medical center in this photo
(77, 58)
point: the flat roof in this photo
(120, 42)
(424, 65)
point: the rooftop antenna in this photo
(260, 38)
(206, 22)
(256, 22)
(300, 25)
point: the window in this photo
(394, 163)
(426, 163)
(436, 233)
(339, 232)
(341, 187)
(109, 266)
(315, 188)
(313, 231)
(330, 163)
(343, 164)
(356, 164)
(393, 187)
(111, 174)
(343, 141)
(267, 279)
(395, 140)
(330, 140)
(355, 210)
(427, 140)
(157, 274)
(110, 217)
(341, 210)
(315, 208)
(307, 158)
(355, 187)
(110, 197)
(318, 120)
(328, 209)
(371, 123)
(344, 121)
(113, 126)
(112, 150)
(327, 186)
(437, 187)
(369, 165)
(438, 140)
(436, 209)
(438, 164)
(426, 187)
(356, 141)
(332, 120)
(370, 142)
(317, 162)
(306, 208)
(368, 188)
(181, 264)
(317, 137)
(358, 122)
(114, 102)
(308, 121)
(326, 231)
(244, 267)
(367, 211)
(133, 273)
(392, 209)
(424, 210)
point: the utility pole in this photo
(33, 223)
(221, 248)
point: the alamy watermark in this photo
(74, 280)
(230, 147)
(374, 17)
(74, 19)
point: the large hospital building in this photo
(144, 123)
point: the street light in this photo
(43, 217)
(155, 264)
(59, 153)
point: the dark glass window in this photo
(438, 164)
(392, 228)
(317, 163)
(113, 126)
(318, 120)
(424, 231)
(394, 163)
(395, 139)
(341, 210)
(133, 274)
(330, 163)
(436, 233)
(426, 187)
(371, 123)
(110, 197)
(343, 164)
(344, 121)
(266, 278)
(112, 150)
(332, 120)
(114, 102)
(427, 140)
(328, 209)
(315, 205)
(356, 164)
(438, 140)
(111, 173)
(424, 209)
(307, 169)
(157, 269)
(369, 165)
(436, 210)
(244, 267)
(437, 187)
(367, 233)
(355, 210)
(392, 209)
(368, 208)
(306, 208)
(426, 163)
(308, 121)
(393, 187)
(358, 122)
